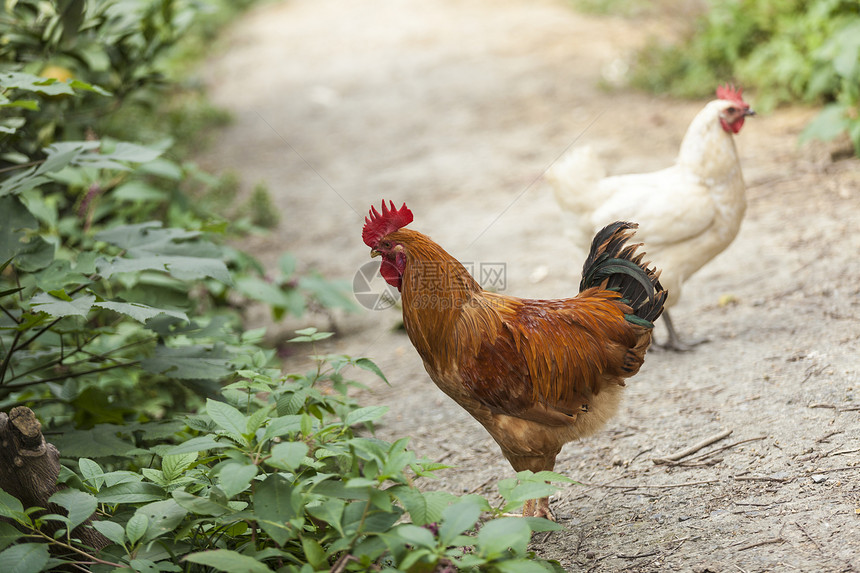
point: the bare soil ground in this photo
(457, 107)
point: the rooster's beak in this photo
(374, 253)
(749, 112)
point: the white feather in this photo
(687, 213)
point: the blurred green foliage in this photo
(272, 473)
(115, 279)
(785, 50)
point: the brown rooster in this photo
(535, 373)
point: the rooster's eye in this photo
(732, 109)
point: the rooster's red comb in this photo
(728, 92)
(380, 224)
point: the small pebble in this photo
(818, 478)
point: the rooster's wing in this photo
(542, 360)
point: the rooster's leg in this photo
(533, 507)
(529, 508)
(674, 342)
(543, 510)
(538, 508)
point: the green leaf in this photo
(227, 418)
(29, 104)
(423, 507)
(164, 168)
(358, 520)
(177, 251)
(413, 557)
(24, 558)
(366, 414)
(183, 268)
(520, 566)
(58, 275)
(80, 505)
(201, 505)
(846, 62)
(540, 524)
(198, 444)
(288, 455)
(9, 505)
(130, 492)
(147, 566)
(274, 507)
(272, 294)
(15, 221)
(235, 478)
(544, 476)
(140, 312)
(315, 554)
(828, 125)
(370, 366)
(155, 476)
(133, 152)
(530, 490)
(257, 419)
(287, 265)
(35, 255)
(111, 530)
(136, 527)
(164, 516)
(43, 302)
(417, 536)
(456, 519)
(79, 85)
(190, 362)
(145, 238)
(499, 535)
(360, 482)
(226, 560)
(282, 425)
(174, 465)
(330, 511)
(8, 535)
(34, 83)
(121, 476)
(136, 190)
(310, 335)
(329, 293)
(97, 442)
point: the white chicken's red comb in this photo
(728, 92)
(380, 224)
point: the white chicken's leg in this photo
(674, 342)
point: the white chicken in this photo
(687, 213)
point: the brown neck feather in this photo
(435, 289)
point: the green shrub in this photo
(785, 50)
(275, 474)
(113, 276)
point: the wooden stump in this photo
(29, 467)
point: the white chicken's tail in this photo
(574, 179)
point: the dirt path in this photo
(457, 107)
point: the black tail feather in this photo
(614, 265)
